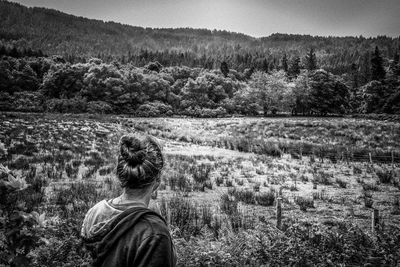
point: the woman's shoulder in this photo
(152, 224)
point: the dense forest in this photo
(51, 61)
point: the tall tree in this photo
(377, 70)
(3, 50)
(224, 68)
(311, 60)
(328, 93)
(265, 65)
(354, 76)
(285, 66)
(294, 68)
(395, 66)
(365, 68)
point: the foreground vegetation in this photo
(218, 192)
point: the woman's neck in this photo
(128, 196)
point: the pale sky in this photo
(253, 17)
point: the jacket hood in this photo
(104, 225)
(98, 219)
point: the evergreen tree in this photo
(311, 60)
(271, 65)
(365, 68)
(294, 68)
(265, 65)
(3, 50)
(14, 52)
(285, 63)
(377, 70)
(354, 76)
(395, 66)
(224, 68)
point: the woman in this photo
(123, 231)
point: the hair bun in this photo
(132, 150)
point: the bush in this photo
(244, 195)
(229, 204)
(322, 177)
(341, 183)
(183, 183)
(99, 107)
(228, 183)
(154, 109)
(73, 105)
(219, 180)
(154, 66)
(21, 229)
(265, 198)
(304, 203)
(385, 176)
(368, 200)
(32, 102)
(370, 187)
(205, 112)
(201, 173)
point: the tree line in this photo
(52, 84)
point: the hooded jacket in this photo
(121, 235)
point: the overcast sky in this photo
(253, 17)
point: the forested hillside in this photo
(73, 37)
(51, 61)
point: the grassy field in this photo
(219, 187)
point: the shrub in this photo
(256, 187)
(219, 180)
(304, 203)
(341, 183)
(368, 200)
(322, 177)
(205, 112)
(228, 204)
(99, 107)
(228, 183)
(153, 109)
(270, 149)
(106, 170)
(357, 170)
(244, 195)
(154, 66)
(320, 195)
(385, 176)
(172, 181)
(395, 206)
(265, 198)
(21, 230)
(370, 187)
(201, 173)
(183, 183)
(239, 181)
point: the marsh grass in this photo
(304, 203)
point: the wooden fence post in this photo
(278, 213)
(375, 219)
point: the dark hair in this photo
(140, 161)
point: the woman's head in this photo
(140, 161)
